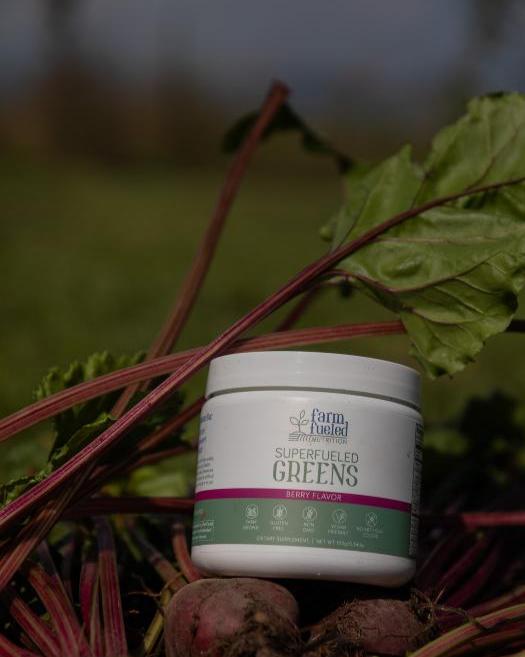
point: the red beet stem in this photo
(182, 554)
(9, 649)
(165, 570)
(160, 455)
(444, 644)
(29, 537)
(504, 637)
(69, 633)
(299, 309)
(47, 562)
(475, 583)
(35, 628)
(130, 505)
(114, 632)
(201, 263)
(480, 519)
(69, 552)
(49, 406)
(436, 562)
(89, 603)
(506, 600)
(518, 646)
(108, 471)
(466, 562)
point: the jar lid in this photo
(314, 370)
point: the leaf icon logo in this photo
(298, 423)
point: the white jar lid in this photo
(314, 370)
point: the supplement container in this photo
(309, 466)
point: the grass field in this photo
(91, 258)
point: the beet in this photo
(238, 617)
(377, 626)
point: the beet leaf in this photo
(453, 273)
(77, 426)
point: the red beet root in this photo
(238, 617)
(384, 627)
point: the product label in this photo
(340, 473)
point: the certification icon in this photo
(372, 520)
(279, 512)
(309, 513)
(339, 516)
(251, 512)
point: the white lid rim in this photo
(314, 370)
(354, 393)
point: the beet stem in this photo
(160, 455)
(511, 598)
(89, 603)
(108, 471)
(9, 649)
(502, 637)
(467, 561)
(182, 554)
(36, 629)
(299, 309)
(12, 557)
(60, 401)
(130, 505)
(69, 552)
(476, 582)
(480, 519)
(195, 277)
(45, 558)
(115, 643)
(156, 627)
(165, 570)
(444, 644)
(48, 564)
(437, 560)
(69, 633)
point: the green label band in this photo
(255, 521)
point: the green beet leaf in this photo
(453, 273)
(285, 120)
(77, 426)
(90, 413)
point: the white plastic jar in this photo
(309, 466)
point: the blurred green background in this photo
(110, 165)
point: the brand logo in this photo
(328, 425)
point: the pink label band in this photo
(297, 494)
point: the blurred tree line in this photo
(75, 110)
